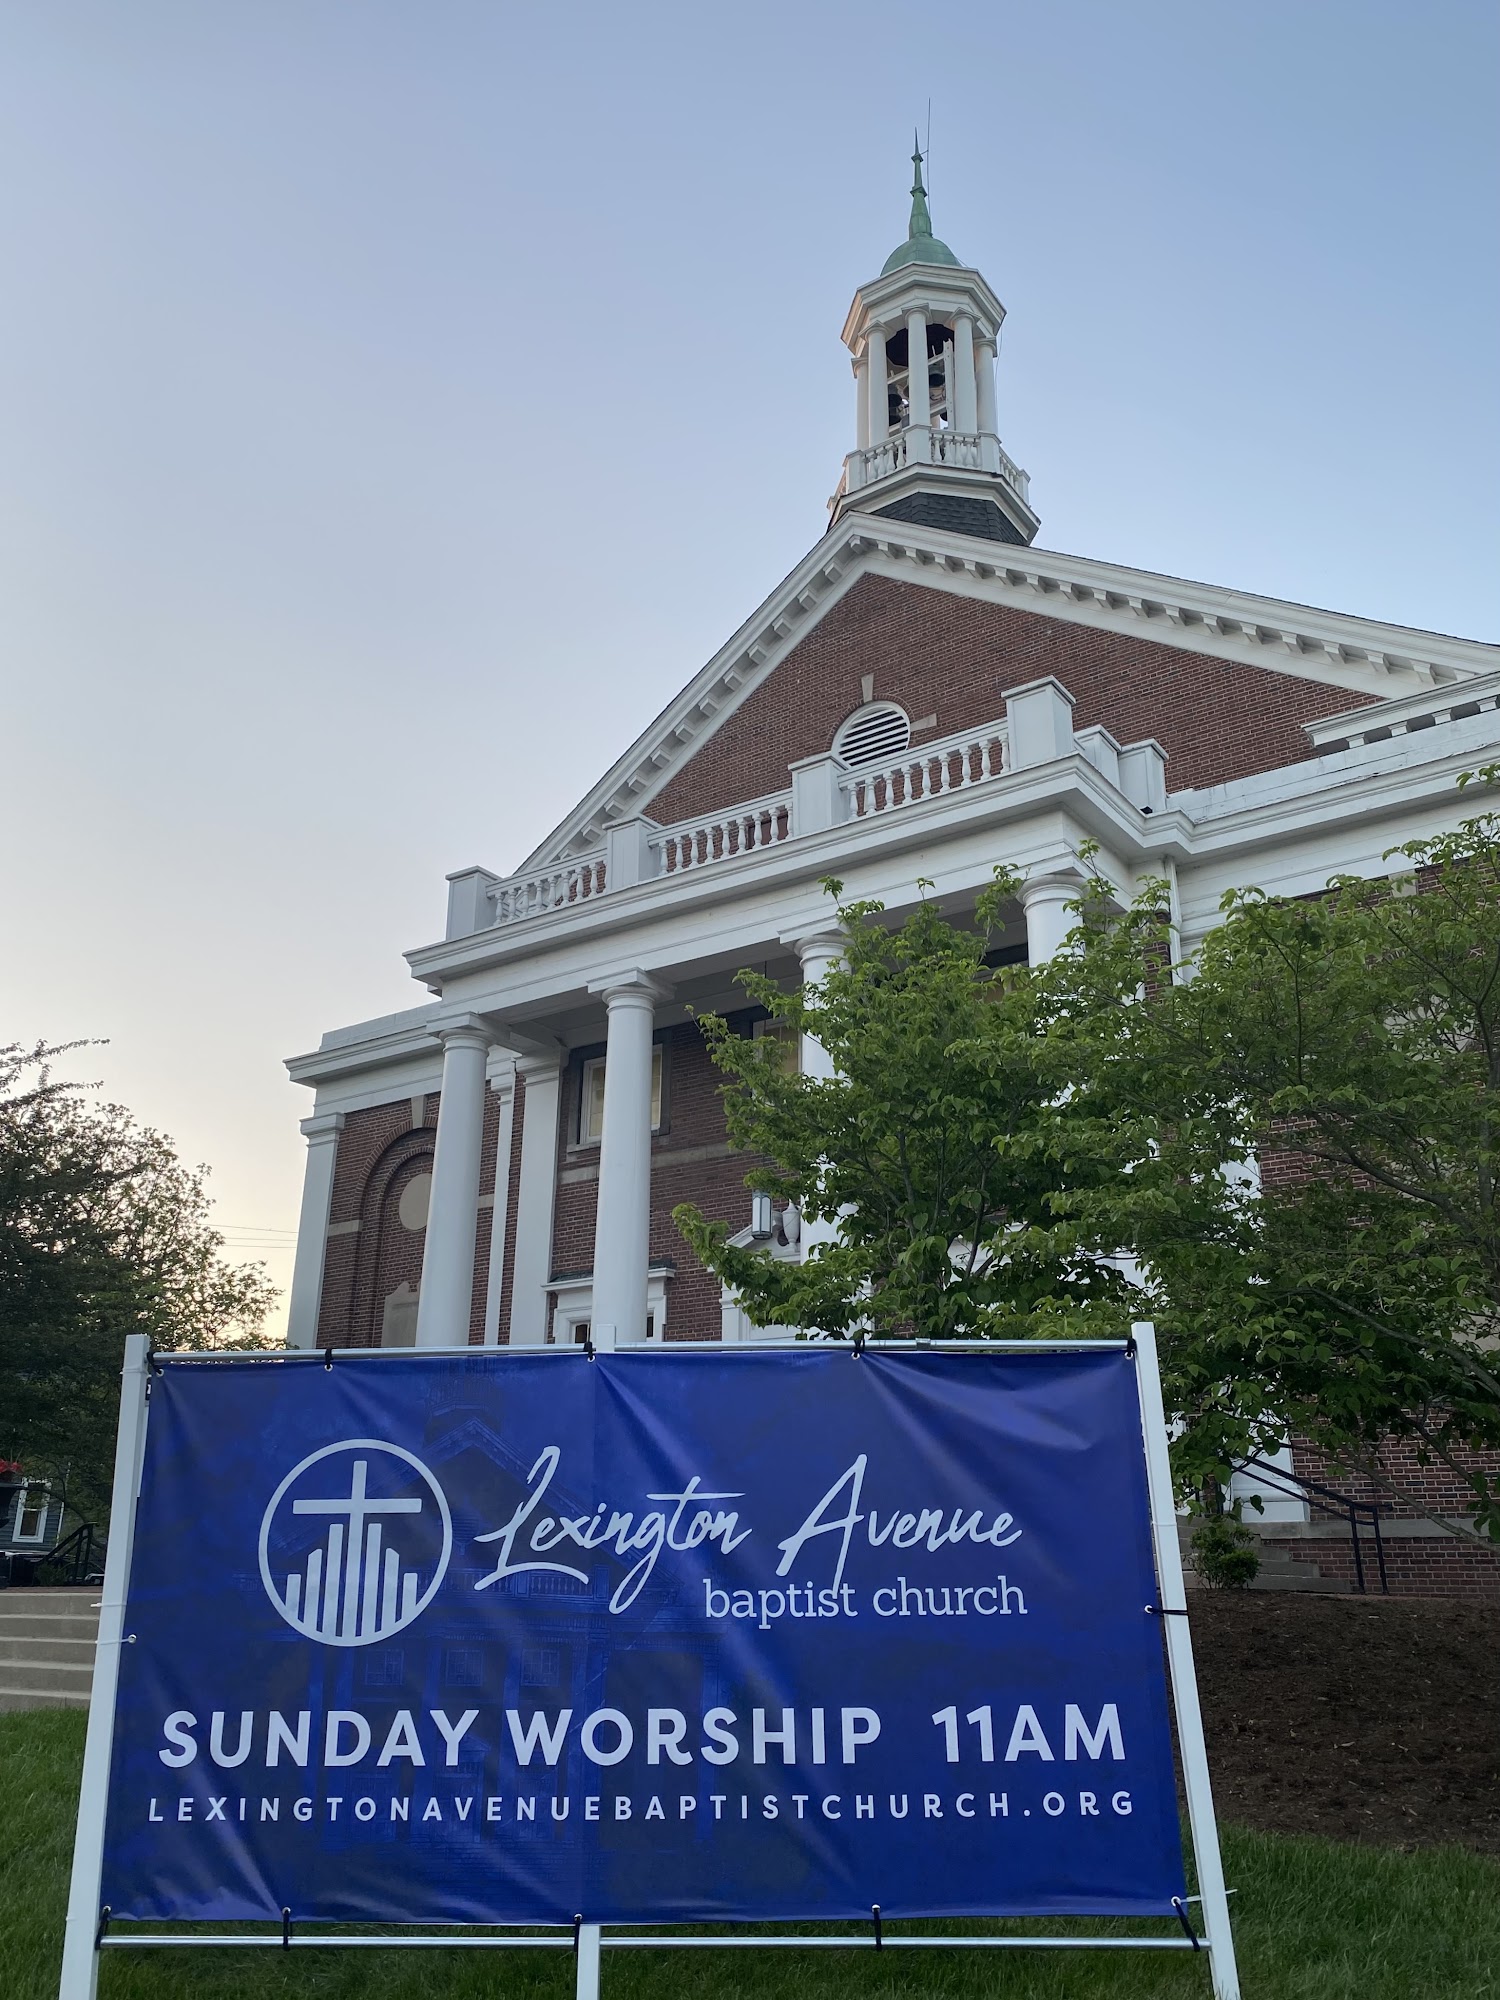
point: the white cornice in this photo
(1366, 656)
(939, 288)
(553, 958)
(1362, 654)
(1369, 781)
(1406, 713)
(394, 1038)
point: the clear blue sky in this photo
(400, 402)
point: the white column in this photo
(918, 405)
(877, 387)
(861, 404)
(965, 416)
(622, 1229)
(322, 1134)
(818, 952)
(1045, 900)
(448, 1259)
(535, 1198)
(504, 1087)
(984, 370)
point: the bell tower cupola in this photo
(924, 336)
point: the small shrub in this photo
(1224, 1553)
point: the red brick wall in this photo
(1421, 1566)
(934, 652)
(578, 1176)
(507, 1279)
(483, 1232)
(1435, 1565)
(693, 1162)
(379, 1152)
(1433, 1488)
(1415, 1566)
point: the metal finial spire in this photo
(921, 221)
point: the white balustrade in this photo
(861, 468)
(549, 889)
(721, 836)
(931, 770)
(961, 448)
(1011, 473)
(953, 764)
(969, 451)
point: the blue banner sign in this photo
(515, 1638)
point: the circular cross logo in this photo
(355, 1542)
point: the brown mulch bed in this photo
(1359, 1718)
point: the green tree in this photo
(931, 1142)
(103, 1232)
(994, 1138)
(1351, 1041)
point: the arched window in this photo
(873, 734)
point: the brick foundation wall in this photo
(1435, 1565)
(949, 656)
(1415, 1566)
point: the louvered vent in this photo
(873, 735)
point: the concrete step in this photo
(13, 1701)
(32, 1603)
(1287, 1574)
(1278, 1570)
(48, 1676)
(47, 1645)
(38, 1625)
(67, 1649)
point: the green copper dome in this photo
(921, 246)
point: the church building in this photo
(927, 694)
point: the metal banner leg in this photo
(80, 1966)
(588, 1962)
(1200, 1800)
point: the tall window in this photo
(591, 1107)
(787, 1039)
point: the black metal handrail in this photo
(1296, 1487)
(75, 1555)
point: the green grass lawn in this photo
(1314, 1921)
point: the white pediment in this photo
(1366, 656)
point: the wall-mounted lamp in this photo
(760, 1217)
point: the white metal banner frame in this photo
(88, 1931)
